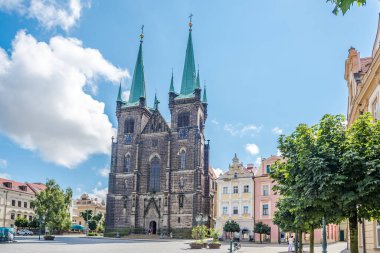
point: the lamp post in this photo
(200, 219)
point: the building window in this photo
(25, 205)
(154, 182)
(127, 163)
(236, 189)
(265, 209)
(225, 190)
(245, 210)
(236, 210)
(13, 202)
(265, 190)
(154, 143)
(179, 219)
(129, 126)
(184, 119)
(18, 215)
(246, 188)
(268, 169)
(182, 160)
(225, 210)
(19, 203)
(375, 109)
(235, 175)
(25, 216)
(30, 218)
(12, 216)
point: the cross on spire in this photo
(142, 33)
(191, 19)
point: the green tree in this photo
(86, 215)
(231, 227)
(261, 229)
(21, 222)
(309, 179)
(345, 5)
(34, 223)
(53, 204)
(361, 173)
(92, 225)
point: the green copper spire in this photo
(172, 84)
(156, 102)
(189, 73)
(138, 81)
(119, 98)
(204, 99)
(198, 83)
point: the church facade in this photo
(160, 176)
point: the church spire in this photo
(172, 84)
(119, 98)
(204, 99)
(189, 74)
(138, 81)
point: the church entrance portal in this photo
(153, 227)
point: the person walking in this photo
(290, 244)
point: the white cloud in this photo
(43, 106)
(49, 13)
(277, 130)
(79, 190)
(253, 149)
(214, 121)
(279, 152)
(125, 95)
(5, 175)
(3, 163)
(258, 161)
(218, 171)
(100, 194)
(242, 130)
(104, 172)
(98, 184)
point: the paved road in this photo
(70, 244)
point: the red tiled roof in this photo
(36, 187)
(16, 186)
(365, 63)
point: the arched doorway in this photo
(153, 227)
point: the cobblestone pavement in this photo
(70, 244)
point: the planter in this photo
(196, 245)
(214, 245)
(49, 237)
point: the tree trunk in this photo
(261, 241)
(300, 244)
(312, 240)
(354, 246)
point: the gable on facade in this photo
(156, 124)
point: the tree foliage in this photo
(231, 226)
(21, 222)
(92, 225)
(262, 229)
(52, 205)
(86, 215)
(345, 5)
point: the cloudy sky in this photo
(268, 66)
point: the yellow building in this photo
(83, 204)
(235, 198)
(15, 200)
(363, 78)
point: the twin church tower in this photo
(160, 178)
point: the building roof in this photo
(138, 81)
(189, 81)
(28, 188)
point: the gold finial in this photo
(142, 33)
(191, 18)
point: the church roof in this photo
(188, 84)
(138, 81)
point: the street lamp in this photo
(200, 219)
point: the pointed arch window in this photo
(182, 160)
(127, 163)
(129, 126)
(154, 180)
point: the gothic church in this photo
(160, 178)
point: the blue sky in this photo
(268, 65)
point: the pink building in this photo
(265, 206)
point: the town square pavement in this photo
(70, 244)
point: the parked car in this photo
(24, 232)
